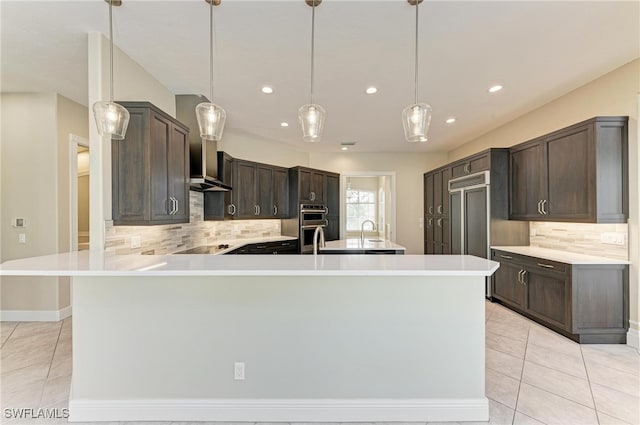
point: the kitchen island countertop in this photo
(355, 244)
(95, 263)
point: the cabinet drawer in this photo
(534, 263)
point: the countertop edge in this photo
(560, 256)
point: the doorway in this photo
(79, 193)
(368, 196)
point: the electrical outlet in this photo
(136, 241)
(22, 238)
(238, 371)
(612, 238)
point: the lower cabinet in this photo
(588, 303)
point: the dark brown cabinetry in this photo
(311, 185)
(437, 237)
(576, 174)
(259, 191)
(150, 169)
(471, 165)
(332, 231)
(588, 303)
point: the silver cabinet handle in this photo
(524, 274)
(275, 210)
(326, 210)
(544, 211)
(439, 209)
(177, 205)
(259, 210)
(520, 276)
(232, 209)
(439, 222)
(429, 222)
(174, 207)
(546, 266)
(326, 222)
(255, 210)
(430, 209)
(169, 205)
(508, 257)
(540, 207)
(312, 196)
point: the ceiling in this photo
(538, 50)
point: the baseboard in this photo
(280, 410)
(35, 315)
(633, 335)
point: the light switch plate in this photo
(612, 238)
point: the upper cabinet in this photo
(576, 174)
(471, 165)
(311, 185)
(150, 169)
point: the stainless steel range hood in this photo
(203, 154)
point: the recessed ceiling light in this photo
(371, 90)
(344, 148)
(267, 90)
(495, 88)
(450, 120)
(284, 124)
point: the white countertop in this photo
(356, 245)
(561, 256)
(94, 263)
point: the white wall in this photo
(253, 148)
(616, 93)
(36, 188)
(409, 168)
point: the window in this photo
(361, 206)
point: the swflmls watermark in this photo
(29, 413)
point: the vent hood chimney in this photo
(203, 154)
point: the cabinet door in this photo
(479, 163)
(548, 297)
(304, 185)
(264, 191)
(225, 170)
(476, 236)
(281, 192)
(333, 196)
(526, 181)
(244, 189)
(130, 180)
(446, 235)
(506, 284)
(428, 194)
(571, 176)
(445, 177)
(318, 181)
(428, 234)
(160, 134)
(437, 193)
(179, 172)
(332, 231)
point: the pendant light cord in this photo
(313, 21)
(416, 53)
(211, 51)
(111, 51)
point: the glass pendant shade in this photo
(416, 120)
(211, 118)
(111, 119)
(312, 122)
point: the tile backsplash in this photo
(166, 239)
(582, 238)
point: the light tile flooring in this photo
(533, 375)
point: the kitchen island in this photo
(335, 338)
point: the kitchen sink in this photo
(375, 240)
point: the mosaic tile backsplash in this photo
(167, 239)
(582, 238)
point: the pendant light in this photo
(311, 115)
(416, 118)
(211, 117)
(111, 119)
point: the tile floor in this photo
(533, 375)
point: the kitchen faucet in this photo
(319, 231)
(362, 229)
